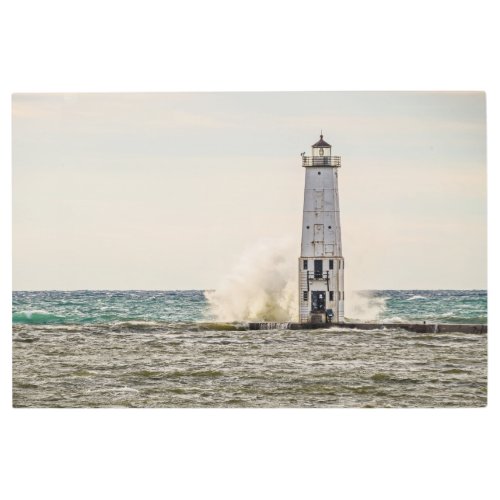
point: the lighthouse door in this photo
(318, 302)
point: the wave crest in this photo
(36, 317)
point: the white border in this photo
(58, 46)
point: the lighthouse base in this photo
(317, 318)
(321, 318)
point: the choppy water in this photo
(163, 349)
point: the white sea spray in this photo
(363, 305)
(261, 287)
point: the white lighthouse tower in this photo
(321, 265)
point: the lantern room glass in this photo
(321, 152)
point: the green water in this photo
(164, 349)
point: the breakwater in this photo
(412, 327)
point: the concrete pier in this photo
(412, 327)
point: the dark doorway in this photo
(318, 268)
(318, 301)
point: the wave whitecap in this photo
(36, 317)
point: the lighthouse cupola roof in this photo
(321, 143)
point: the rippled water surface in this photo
(160, 349)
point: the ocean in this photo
(86, 349)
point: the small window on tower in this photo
(305, 264)
(331, 264)
(305, 295)
(331, 296)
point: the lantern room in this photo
(321, 148)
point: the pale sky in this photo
(167, 191)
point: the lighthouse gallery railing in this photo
(321, 161)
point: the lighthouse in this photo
(321, 265)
